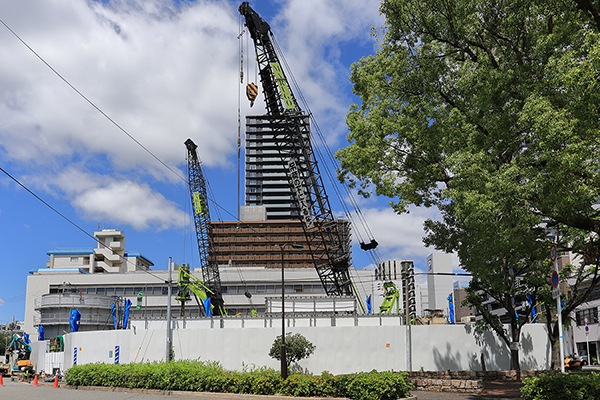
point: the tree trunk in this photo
(514, 354)
(553, 337)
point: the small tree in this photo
(297, 347)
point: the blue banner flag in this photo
(451, 307)
(126, 313)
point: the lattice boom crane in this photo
(208, 259)
(325, 235)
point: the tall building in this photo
(266, 175)
(439, 280)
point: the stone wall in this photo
(463, 381)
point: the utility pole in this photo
(169, 331)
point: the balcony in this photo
(72, 300)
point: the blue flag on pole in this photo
(126, 313)
(207, 307)
(40, 332)
(114, 314)
(369, 304)
(451, 307)
(533, 311)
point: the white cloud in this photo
(312, 34)
(117, 200)
(400, 236)
(163, 75)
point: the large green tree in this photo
(489, 111)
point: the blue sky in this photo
(165, 71)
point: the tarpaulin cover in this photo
(74, 318)
(369, 304)
(40, 332)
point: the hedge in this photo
(211, 377)
(562, 386)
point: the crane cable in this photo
(239, 147)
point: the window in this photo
(74, 259)
(591, 314)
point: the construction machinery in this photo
(189, 283)
(325, 236)
(390, 297)
(211, 280)
(17, 355)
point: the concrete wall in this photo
(339, 349)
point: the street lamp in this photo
(282, 354)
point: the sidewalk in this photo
(493, 390)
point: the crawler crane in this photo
(324, 235)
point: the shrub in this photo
(562, 386)
(211, 377)
(377, 386)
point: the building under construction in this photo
(258, 243)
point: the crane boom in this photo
(326, 237)
(206, 249)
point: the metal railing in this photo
(72, 300)
(62, 318)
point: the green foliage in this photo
(297, 347)
(211, 377)
(488, 111)
(377, 385)
(562, 386)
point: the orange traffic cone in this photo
(1, 381)
(55, 381)
(35, 380)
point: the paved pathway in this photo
(492, 391)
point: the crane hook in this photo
(251, 92)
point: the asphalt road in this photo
(25, 391)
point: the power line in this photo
(68, 220)
(90, 102)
